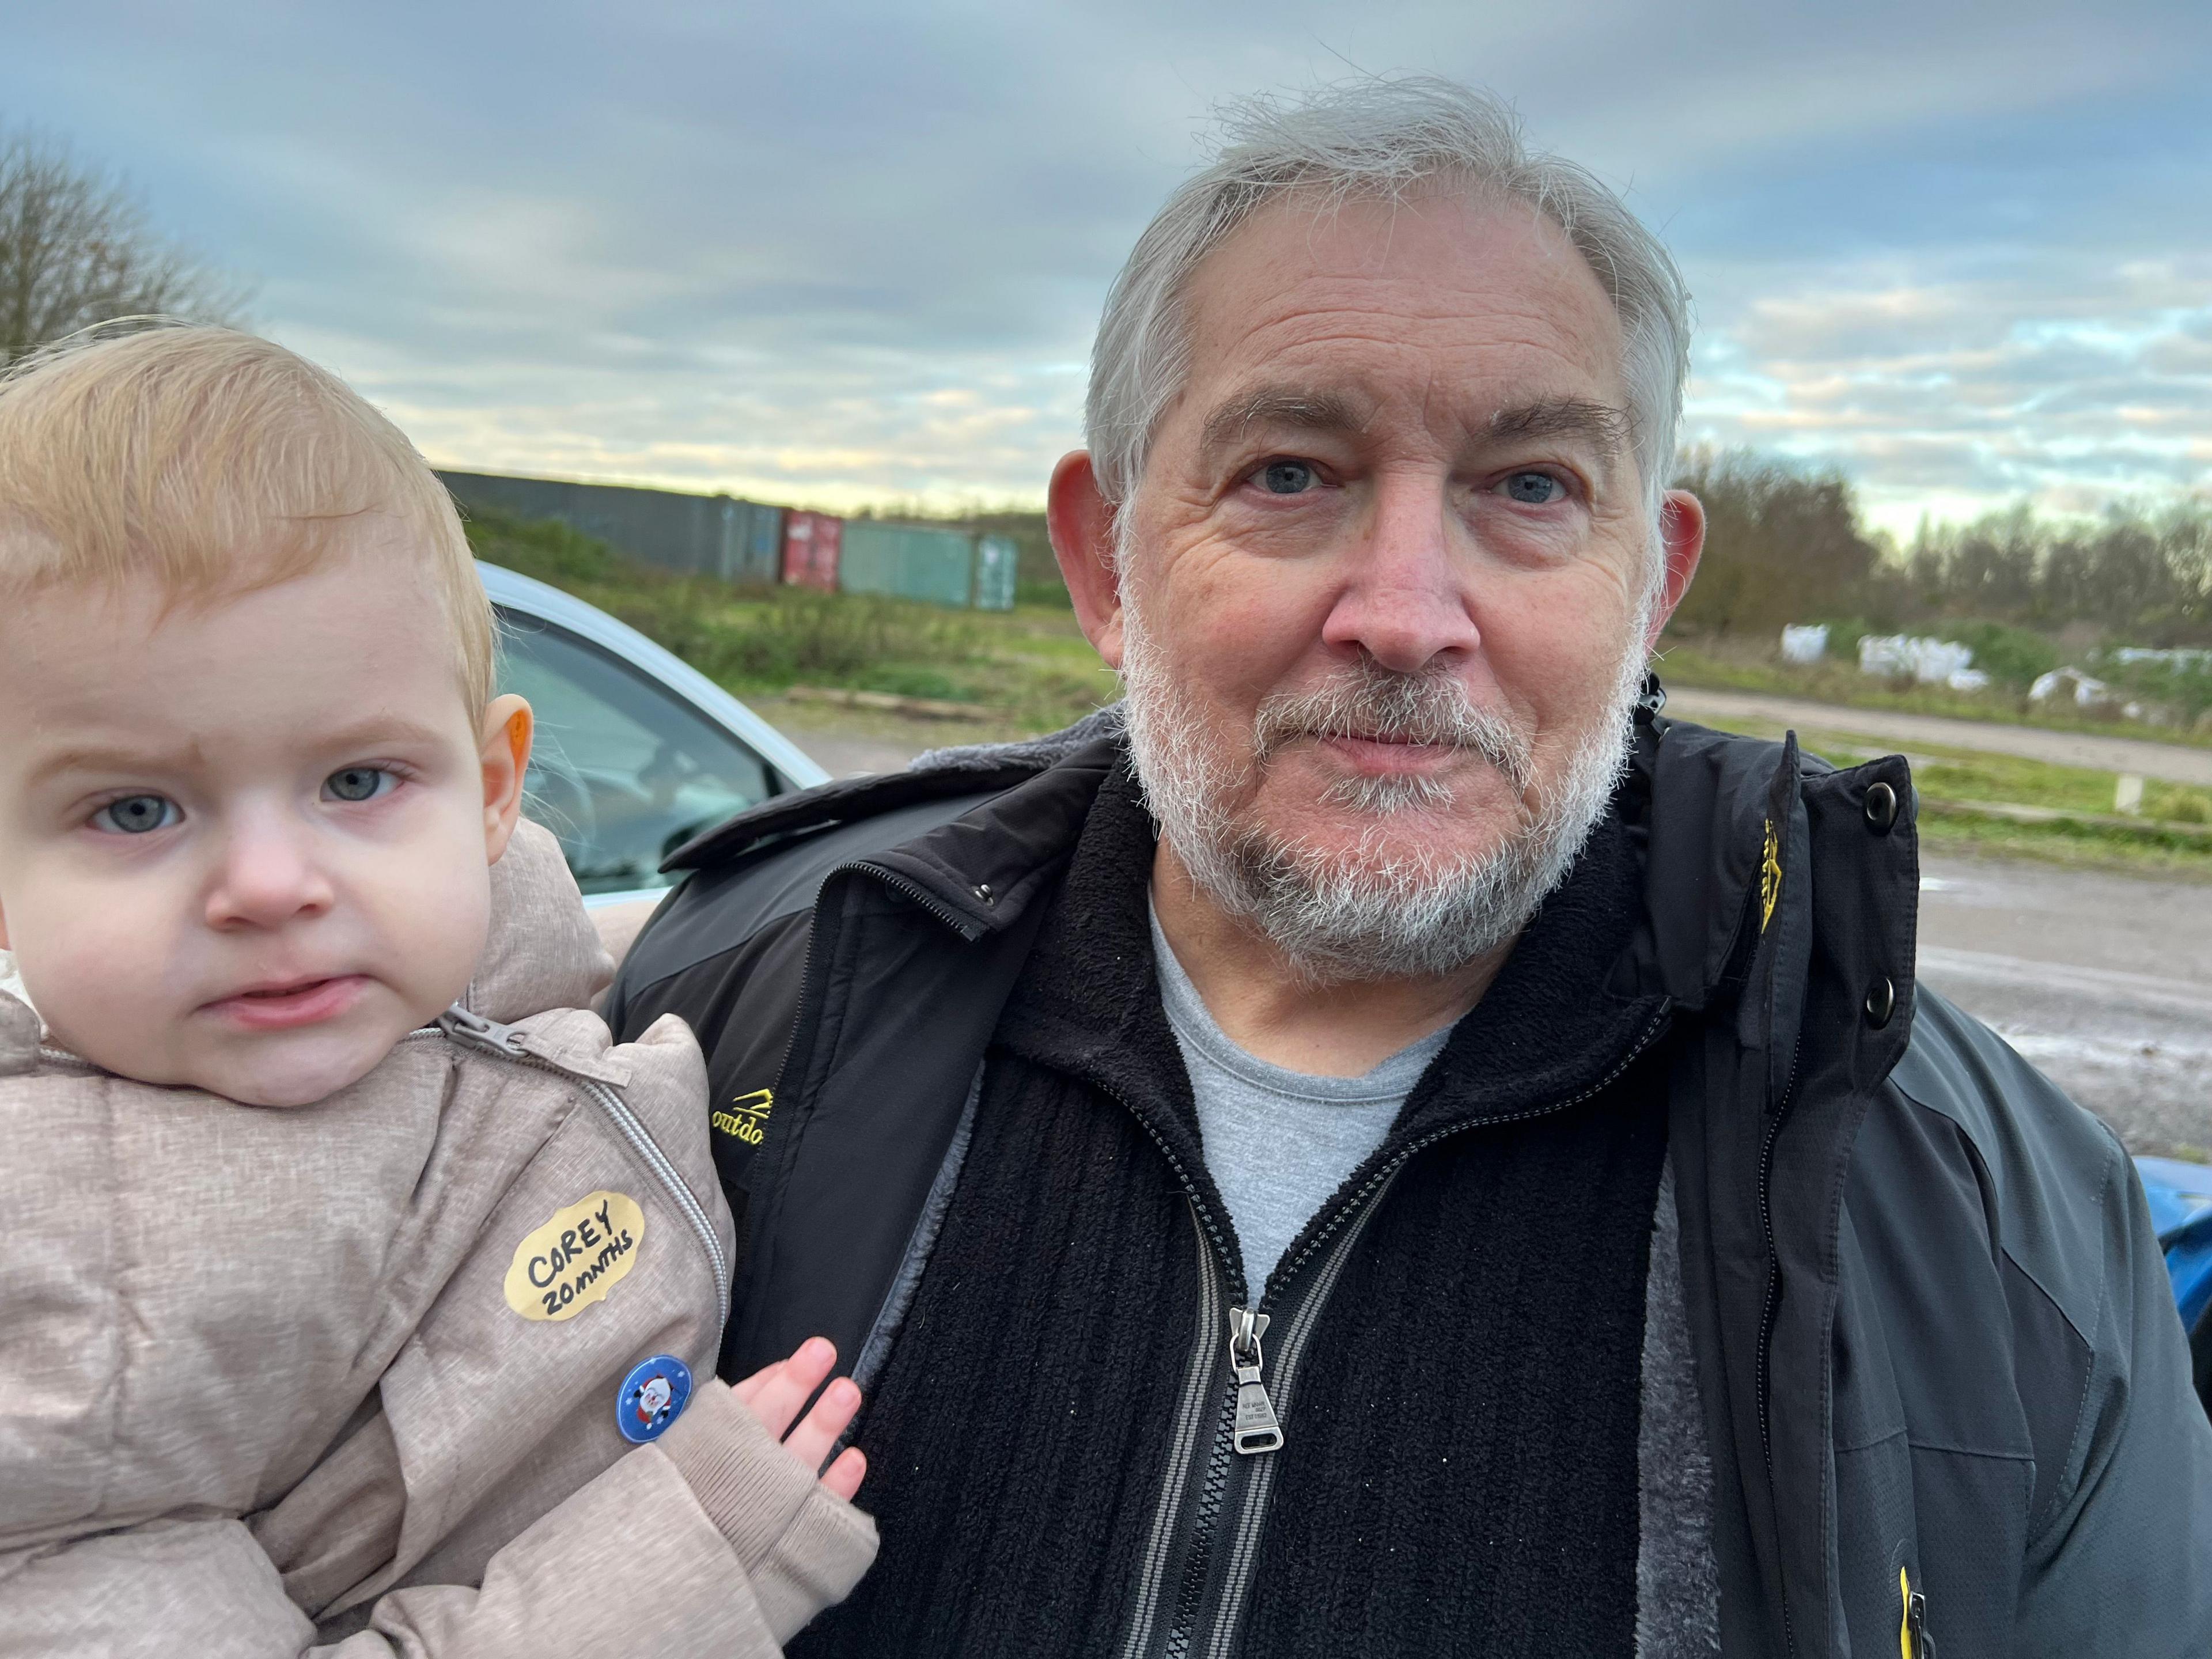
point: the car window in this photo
(623, 770)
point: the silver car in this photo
(636, 751)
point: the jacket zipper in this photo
(1248, 1382)
(809, 991)
(474, 1031)
(1773, 1309)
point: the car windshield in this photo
(622, 771)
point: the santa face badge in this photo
(653, 1396)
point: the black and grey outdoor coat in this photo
(1910, 1376)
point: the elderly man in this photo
(1390, 1144)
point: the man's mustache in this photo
(1379, 704)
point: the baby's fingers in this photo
(822, 1427)
(844, 1476)
(777, 1392)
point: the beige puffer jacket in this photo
(266, 1370)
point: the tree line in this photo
(1784, 544)
(1787, 546)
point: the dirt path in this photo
(2171, 762)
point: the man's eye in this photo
(1536, 489)
(134, 815)
(351, 783)
(1287, 477)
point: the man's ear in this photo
(1081, 521)
(1681, 543)
(506, 757)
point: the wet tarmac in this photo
(2103, 981)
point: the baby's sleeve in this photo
(713, 1541)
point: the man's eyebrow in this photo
(1605, 428)
(1278, 407)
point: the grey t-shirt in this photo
(1278, 1143)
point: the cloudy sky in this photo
(843, 252)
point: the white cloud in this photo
(856, 251)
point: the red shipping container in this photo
(811, 542)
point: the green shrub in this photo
(2180, 805)
(2012, 657)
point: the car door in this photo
(623, 769)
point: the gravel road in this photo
(2173, 762)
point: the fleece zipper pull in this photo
(473, 1031)
(1257, 1429)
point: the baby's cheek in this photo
(99, 975)
(445, 928)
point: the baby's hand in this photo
(775, 1394)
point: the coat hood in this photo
(542, 951)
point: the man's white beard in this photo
(1380, 911)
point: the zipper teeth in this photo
(928, 902)
(640, 1142)
(1773, 1309)
(1217, 1469)
(1184, 1629)
(1190, 1412)
(920, 896)
(1233, 1268)
(1282, 1275)
(1261, 1489)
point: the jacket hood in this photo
(542, 951)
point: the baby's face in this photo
(246, 846)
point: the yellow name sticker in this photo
(573, 1260)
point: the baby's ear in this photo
(506, 756)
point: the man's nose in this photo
(1404, 598)
(268, 874)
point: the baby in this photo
(357, 1289)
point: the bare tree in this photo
(77, 248)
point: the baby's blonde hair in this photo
(215, 463)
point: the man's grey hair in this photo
(1375, 139)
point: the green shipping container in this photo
(998, 561)
(908, 561)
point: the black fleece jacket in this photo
(1459, 1470)
(1937, 1369)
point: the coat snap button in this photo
(1880, 1003)
(1880, 807)
(983, 892)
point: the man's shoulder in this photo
(2045, 1170)
(749, 885)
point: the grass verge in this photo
(1030, 669)
(1953, 781)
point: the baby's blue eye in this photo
(1536, 489)
(136, 815)
(356, 783)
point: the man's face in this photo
(243, 846)
(1386, 589)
